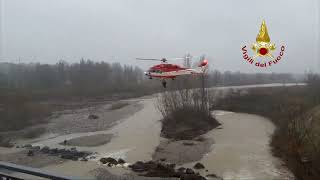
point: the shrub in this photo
(185, 112)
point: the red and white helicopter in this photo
(165, 70)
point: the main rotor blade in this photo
(145, 59)
(175, 59)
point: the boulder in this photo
(27, 146)
(198, 166)
(92, 157)
(109, 160)
(69, 156)
(189, 171)
(35, 148)
(61, 151)
(179, 172)
(84, 159)
(121, 161)
(181, 169)
(30, 153)
(139, 166)
(53, 151)
(171, 166)
(83, 153)
(45, 149)
(152, 165)
(92, 116)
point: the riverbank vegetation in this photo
(296, 113)
(185, 110)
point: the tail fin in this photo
(203, 66)
(203, 63)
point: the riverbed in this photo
(240, 148)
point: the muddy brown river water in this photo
(240, 149)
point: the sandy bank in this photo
(36, 161)
(184, 151)
(89, 141)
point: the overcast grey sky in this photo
(120, 30)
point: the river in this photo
(241, 149)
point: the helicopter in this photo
(166, 71)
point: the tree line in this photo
(89, 78)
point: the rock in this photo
(93, 157)
(108, 160)
(179, 172)
(35, 148)
(61, 151)
(181, 169)
(92, 116)
(53, 151)
(84, 153)
(198, 166)
(69, 155)
(171, 166)
(155, 169)
(121, 161)
(30, 153)
(27, 146)
(111, 165)
(189, 171)
(45, 149)
(152, 165)
(84, 159)
(138, 167)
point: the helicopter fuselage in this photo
(168, 71)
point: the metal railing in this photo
(30, 171)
